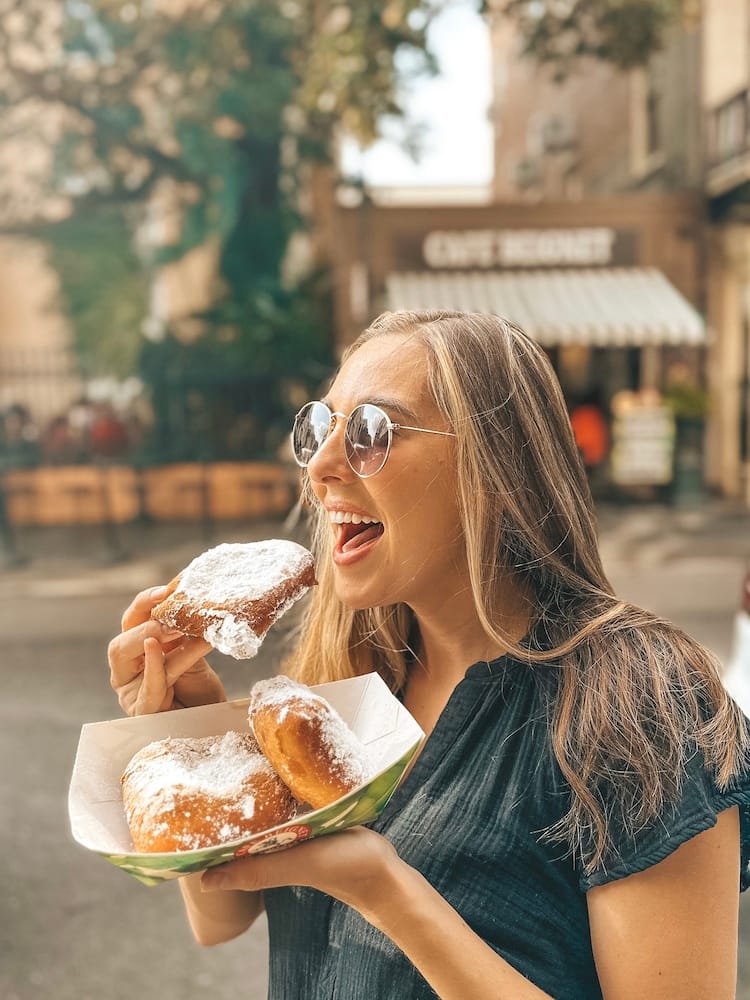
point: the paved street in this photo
(74, 928)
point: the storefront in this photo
(611, 287)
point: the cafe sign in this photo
(507, 248)
(643, 440)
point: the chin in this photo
(359, 601)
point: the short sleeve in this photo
(697, 809)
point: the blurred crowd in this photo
(88, 431)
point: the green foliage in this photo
(213, 118)
(687, 401)
(232, 392)
(103, 288)
(625, 33)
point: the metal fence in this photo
(52, 414)
(72, 456)
(45, 382)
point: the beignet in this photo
(314, 751)
(184, 793)
(231, 594)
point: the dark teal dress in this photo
(469, 818)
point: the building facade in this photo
(608, 286)
(726, 110)
(679, 124)
(597, 131)
(652, 163)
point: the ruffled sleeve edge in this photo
(689, 829)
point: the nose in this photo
(329, 462)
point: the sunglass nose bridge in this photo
(334, 418)
(327, 429)
(367, 435)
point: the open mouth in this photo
(353, 536)
(353, 530)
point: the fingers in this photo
(184, 657)
(125, 651)
(154, 694)
(249, 874)
(162, 680)
(304, 864)
(148, 660)
(143, 604)
(351, 865)
(139, 610)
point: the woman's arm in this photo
(156, 669)
(671, 931)
(218, 917)
(362, 869)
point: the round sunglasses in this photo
(368, 433)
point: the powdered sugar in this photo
(211, 765)
(276, 691)
(224, 780)
(348, 755)
(231, 594)
(237, 571)
(231, 635)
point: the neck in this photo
(451, 641)
(452, 638)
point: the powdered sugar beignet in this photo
(313, 750)
(231, 594)
(184, 793)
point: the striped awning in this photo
(606, 307)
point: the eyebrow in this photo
(386, 403)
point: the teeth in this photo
(346, 517)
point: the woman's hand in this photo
(355, 866)
(154, 668)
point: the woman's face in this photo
(408, 545)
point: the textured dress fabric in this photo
(470, 817)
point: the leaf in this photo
(227, 106)
(625, 33)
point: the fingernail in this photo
(158, 592)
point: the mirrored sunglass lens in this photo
(367, 439)
(310, 431)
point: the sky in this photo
(452, 107)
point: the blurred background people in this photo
(19, 438)
(108, 434)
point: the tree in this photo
(625, 33)
(140, 131)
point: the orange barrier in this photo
(252, 489)
(175, 492)
(75, 494)
(188, 491)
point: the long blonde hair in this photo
(634, 694)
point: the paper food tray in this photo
(97, 817)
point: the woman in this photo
(572, 826)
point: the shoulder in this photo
(700, 800)
(649, 742)
(677, 920)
